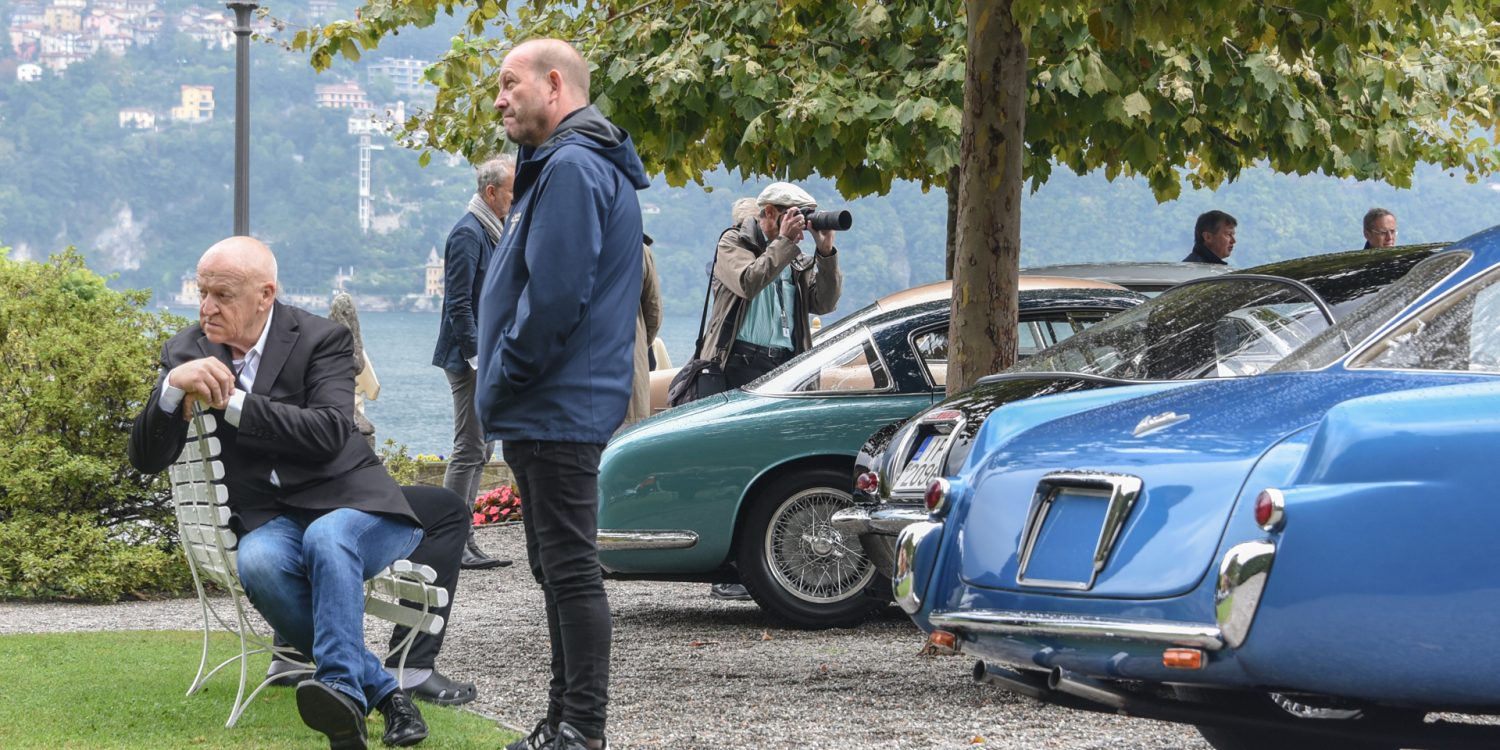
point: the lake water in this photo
(415, 407)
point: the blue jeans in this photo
(305, 573)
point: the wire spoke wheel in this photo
(807, 556)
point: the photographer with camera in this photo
(765, 287)
(764, 290)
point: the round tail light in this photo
(937, 495)
(1270, 509)
(868, 483)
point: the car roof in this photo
(1132, 274)
(937, 290)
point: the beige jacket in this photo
(647, 326)
(746, 264)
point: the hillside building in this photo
(197, 104)
(347, 95)
(28, 72)
(405, 74)
(187, 293)
(137, 118)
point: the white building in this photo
(137, 118)
(28, 72)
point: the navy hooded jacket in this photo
(558, 307)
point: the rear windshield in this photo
(1331, 345)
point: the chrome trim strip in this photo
(1242, 579)
(619, 539)
(1119, 490)
(1050, 624)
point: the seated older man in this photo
(316, 511)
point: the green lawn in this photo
(126, 690)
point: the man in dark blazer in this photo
(466, 257)
(316, 511)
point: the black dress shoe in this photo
(332, 713)
(475, 559)
(443, 691)
(404, 726)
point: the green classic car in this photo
(741, 486)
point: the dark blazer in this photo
(465, 259)
(298, 421)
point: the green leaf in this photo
(1136, 105)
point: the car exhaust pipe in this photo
(1029, 685)
(1088, 689)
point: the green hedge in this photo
(77, 361)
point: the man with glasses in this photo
(1380, 228)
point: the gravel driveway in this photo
(690, 672)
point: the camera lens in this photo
(824, 220)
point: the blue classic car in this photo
(1299, 559)
(740, 485)
(1224, 326)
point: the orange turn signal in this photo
(943, 640)
(1182, 658)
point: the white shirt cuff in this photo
(171, 398)
(236, 404)
(473, 362)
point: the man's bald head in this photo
(245, 258)
(546, 55)
(236, 290)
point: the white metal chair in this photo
(200, 500)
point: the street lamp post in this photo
(242, 10)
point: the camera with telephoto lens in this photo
(825, 220)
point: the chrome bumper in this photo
(1237, 591)
(885, 520)
(622, 539)
(876, 528)
(1049, 624)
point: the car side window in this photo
(1459, 332)
(1032, 335)
(858, 369)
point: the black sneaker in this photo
(569, 738)
(729, 592)
(539, 739)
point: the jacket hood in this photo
(589, 128)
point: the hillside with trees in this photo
(144, 204)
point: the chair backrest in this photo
(201, 502)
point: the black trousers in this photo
(445, 527)
(559, 484)
(745, 365)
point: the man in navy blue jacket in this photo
(466, 257)
(556, 338)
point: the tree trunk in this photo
(952, 245)
(982, 335)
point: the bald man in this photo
(556, 355)
(314, 508)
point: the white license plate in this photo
(926, 463)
